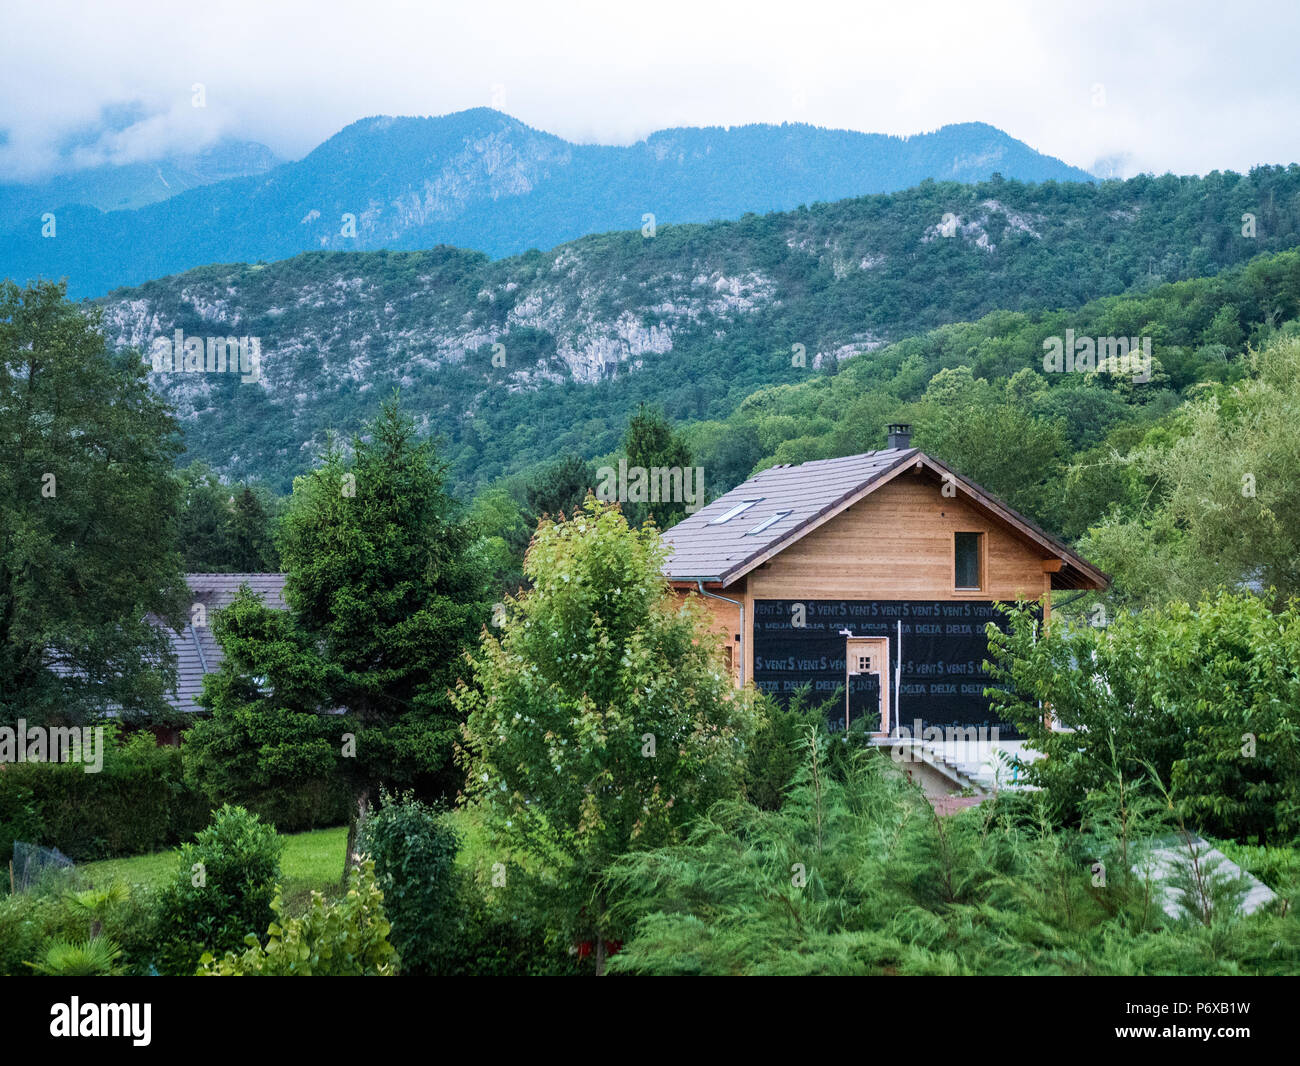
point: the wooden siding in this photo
(897, 543)
(724, 622)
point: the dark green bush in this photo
(277, 763)
(500, 934)
(774, 755)
(414, 848)
(141, 801)
(28, 921)
(138, 802)
(221, 892)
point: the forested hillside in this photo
(517, 360)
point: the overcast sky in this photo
(1188, 87)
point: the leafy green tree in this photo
(249, 528)
(1204, 697)
(599, 719)
(266, 745)
(560, 488)
(202, 526)
(648, 443)
(501, 528)
(224, 528)
(1222, 489)
(87, 518)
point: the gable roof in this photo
(197, 651)
(815, 492)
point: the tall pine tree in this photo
(385, 596)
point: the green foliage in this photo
(77, 918)
(344, 938)
(1219, 492)
(599, 719)
(138, 802)
(385, 592)
(414, 852)
(87, 511)
(29, 922)
(856, 874)
(1203, 697)
(650, 442)
(96, 957)
(560, 488)
(222, 890)
(502, 528)
(224, 528)
(385, 597)
(775, 753)
(279, 761)
(504, 934)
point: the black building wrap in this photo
(942, 678)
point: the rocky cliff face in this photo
(693, 317)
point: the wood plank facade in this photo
(901, 577)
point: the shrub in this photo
(857, 874)
(222, 890)
(774, 758)
(1202, 695)
(138, 802)
(28, 922)
(97, 957)
(414, 850)
(275, 762)
(347, 938)
(503, 934)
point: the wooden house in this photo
(873, 574)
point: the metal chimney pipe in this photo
(900, 435)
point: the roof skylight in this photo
(727, 516)
(770, 520)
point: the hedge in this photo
(139, 802)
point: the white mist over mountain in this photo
(1187, 87)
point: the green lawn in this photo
(310, 860)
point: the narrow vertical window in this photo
(969, 560)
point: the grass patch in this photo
(312, 860)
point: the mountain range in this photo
(477, 179)
(127, 186)
(516, 359)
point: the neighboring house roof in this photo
(801, 498)
(197, 651)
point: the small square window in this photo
(968, 561)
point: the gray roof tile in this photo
(197, 651)
(707, 551)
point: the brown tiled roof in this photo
(705, 551)
(720, 553)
